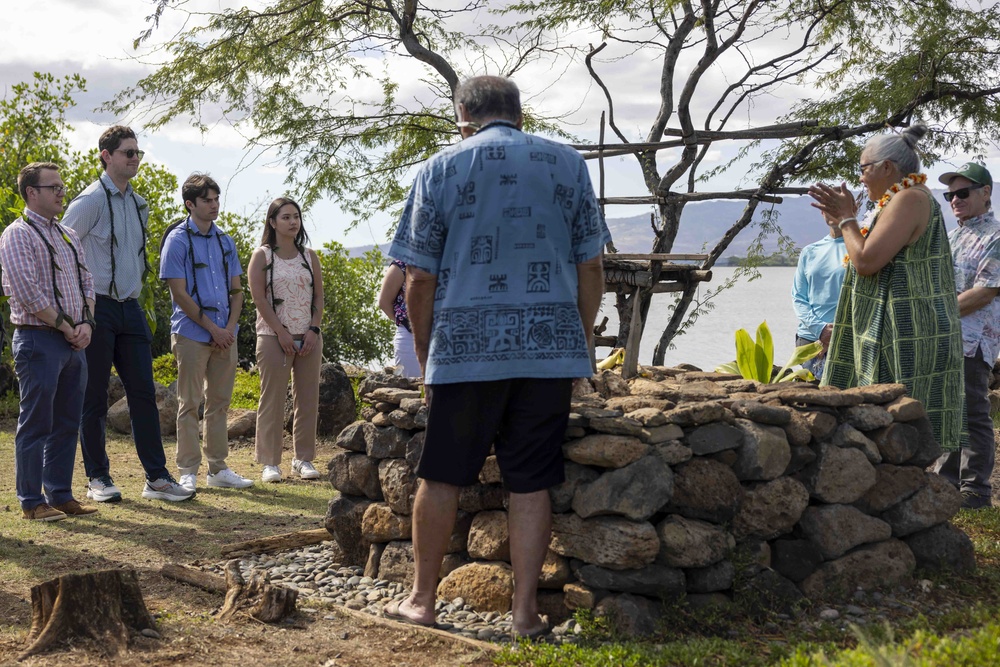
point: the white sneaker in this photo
(227, 479)
(189, 482)
(271, 474)
(305, 469)
(103, 490)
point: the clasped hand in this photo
(222, 338)
(79, 337)
(835, 203)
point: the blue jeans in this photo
(122, 338)
(51, 376)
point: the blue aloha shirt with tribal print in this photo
(502, 218)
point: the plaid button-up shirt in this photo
(27, 270)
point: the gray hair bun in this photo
(914, 134)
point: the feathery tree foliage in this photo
(35, 129)
(798, 85)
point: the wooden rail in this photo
(634, 272)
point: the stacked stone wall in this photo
(681, 484)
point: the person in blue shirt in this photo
(502, 238)
(202, 270)
(815, 292)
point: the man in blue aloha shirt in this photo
(975, 246)
(503, 238)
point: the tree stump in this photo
(100, 606)
(258, 597)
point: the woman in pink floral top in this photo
(392, 301)
(287, 287)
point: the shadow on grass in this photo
(15, 611)
(133, 531)
(43, 561)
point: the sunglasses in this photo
(130, 152)
(961, 194)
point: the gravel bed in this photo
(314, 573)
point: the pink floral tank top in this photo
(292, 291)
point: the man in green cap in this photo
(975, 247)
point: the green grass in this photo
(148, 533)
(976, 648)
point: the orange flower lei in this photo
(906, 183)
(864, 234)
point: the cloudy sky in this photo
(94, 38)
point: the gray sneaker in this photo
(166, 488)
(103, 490)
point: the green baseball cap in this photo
(976, 173)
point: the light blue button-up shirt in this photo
(212, 281)
(90, 217)
(817, 283)
(502, 219)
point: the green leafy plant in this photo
(246, 389)
(755, 358)
(165, 369)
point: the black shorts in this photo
(524, 419)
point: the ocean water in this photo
(711, 340)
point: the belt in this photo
(111, 298)
(36, 327)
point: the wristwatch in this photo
(315, 330)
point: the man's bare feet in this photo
(538, 629)
(408, 612)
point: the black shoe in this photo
(975, 501)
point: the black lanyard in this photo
(196, 265)
(55, 266)
(113, 287)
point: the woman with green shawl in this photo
(897, 318)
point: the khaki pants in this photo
(203, 371)
(275, 367)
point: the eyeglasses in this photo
(60, 190)
(130, 152)
(865, 165)
(961, 194)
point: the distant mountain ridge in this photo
(704, 223)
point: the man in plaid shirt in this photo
(51, 301)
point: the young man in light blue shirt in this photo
(815, 292)
(112, 222)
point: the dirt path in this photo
(315, 636)
(144, 535)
